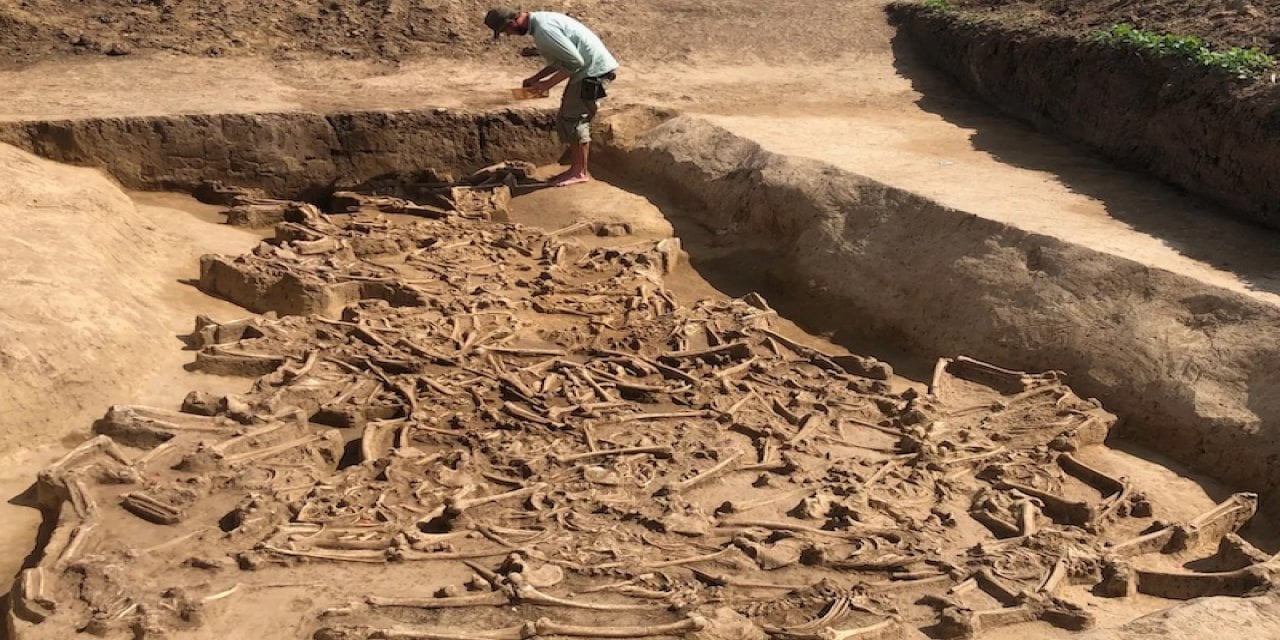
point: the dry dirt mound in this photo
(1222, 23)
(73, 301)
(395, 29)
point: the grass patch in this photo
(965, 18)
(1241, 63)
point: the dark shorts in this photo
(573, 123)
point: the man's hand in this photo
(545, 83)
(542, 88)
(537, 77)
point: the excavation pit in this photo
(477, 408)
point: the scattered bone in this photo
(664, 451)
(378, 439)
(29, 598)
(81, 498)
(1206, 529)
(351, 202)
(883, 630)
(1227, 517)
(342, 632)
(76, 543)
(685, 485)
(833, 612)
(292, 445)
(100, 444)
(495, 394)
(459, 505)
(1056, 507)
(491, 599)
(529, 594)
(1159, 541)
(152, 509)
(545, 626)
(1004, 380)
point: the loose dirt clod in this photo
(463, 428)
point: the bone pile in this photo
(464, 429)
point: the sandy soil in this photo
(1180, 496)
(138, 354)
(862, 108)
(666, 30)
(869, 112)
(311, 585)
(103, 295)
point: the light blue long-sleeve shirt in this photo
(569, 46)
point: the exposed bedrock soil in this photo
(1209, 134)
(1189, 366)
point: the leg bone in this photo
(549, 628)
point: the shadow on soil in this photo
(1190, 225)
(738, 265)
(28, 498)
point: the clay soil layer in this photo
(1208, 133)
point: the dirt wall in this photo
(1209, 134)
(1187, 364)
(91, 305)
(287, 154)
(1190, 367)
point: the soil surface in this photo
(1220, 23)
(391, 30)
(107, 292)
(840, 94)
(579, 449)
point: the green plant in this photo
(939, 5)
(1242, 63)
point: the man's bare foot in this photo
(559, 176)
(570, 179)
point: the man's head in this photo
(502, 20)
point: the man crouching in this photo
(572, 52)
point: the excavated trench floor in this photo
(465, 415)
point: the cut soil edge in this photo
(1207, 133)
(1183, 362)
